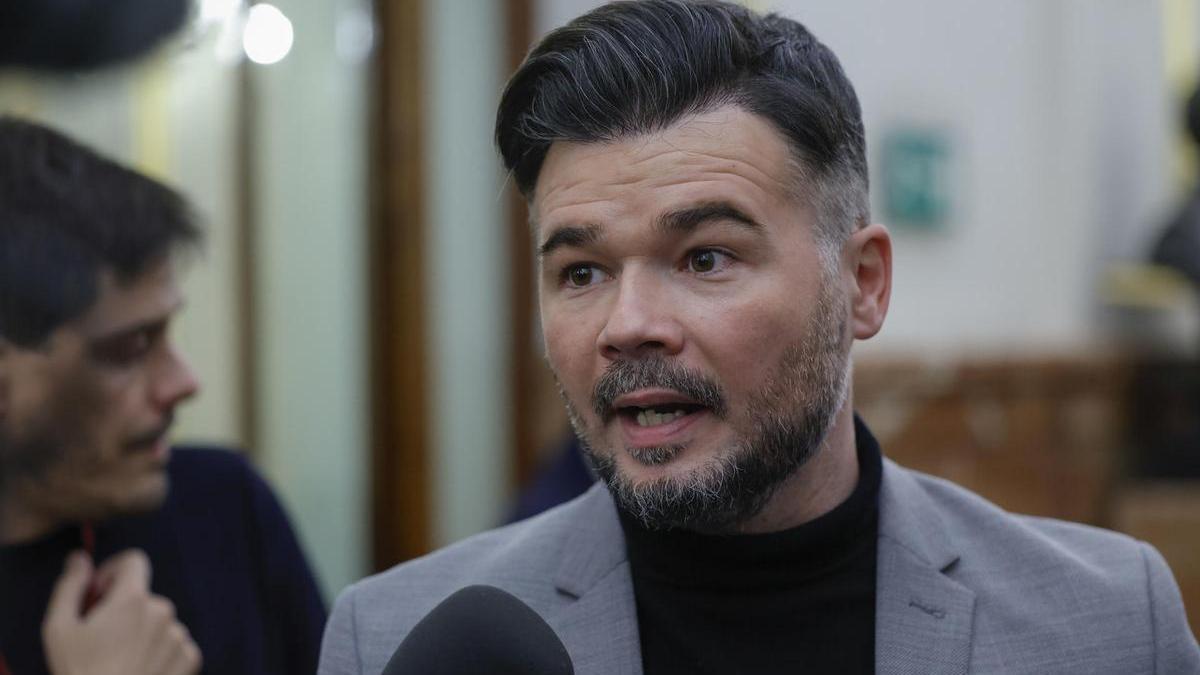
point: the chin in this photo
(147, 495)
(656, 465)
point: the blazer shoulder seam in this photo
(1143, 548)
(358, 663)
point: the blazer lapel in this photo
(598, 624)
(923, 618)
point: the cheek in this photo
(570, 367)
(570, 341)
(744, 341)
(106, 406)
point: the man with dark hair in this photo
(697, 185)
(118, 553)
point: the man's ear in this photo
(869, 257)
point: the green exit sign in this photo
(916, 178)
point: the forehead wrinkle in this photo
(631, 169)
(538, 210)
(738, 167)
(712, 165)
(786, 169)
(697, 155)
(555, 189)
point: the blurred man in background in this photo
(696, 177)
(119, 553)
(1178, 245)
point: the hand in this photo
(130, 631)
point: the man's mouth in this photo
(654, 416)
(654, 393)
(152, 439)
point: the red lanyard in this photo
(87, 535)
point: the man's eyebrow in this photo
(116, 334)
(569, 235)
(134, 327)
(680, 221)
(688, 219)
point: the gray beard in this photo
(790, 417)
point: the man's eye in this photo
(125, 349)
(706, 260)
(579, 276)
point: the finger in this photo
(189, 661)
(102, 581)
(129, 561)
(164, 632)
(124, 573)
(68, 591)
(176, 652)
(165, 648)
(190, 658)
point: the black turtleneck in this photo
(797, 601)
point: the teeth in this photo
(652, 418)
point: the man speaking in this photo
(697, 183)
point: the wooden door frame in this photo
(523, 357)
(401, 450)
(401, 502)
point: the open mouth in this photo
(658, 415)
(653, 408)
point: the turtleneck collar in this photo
(787, 557)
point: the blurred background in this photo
(364, 320)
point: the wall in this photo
(310, 170)
(1058, 115)
(467, 294)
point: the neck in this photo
(19, 521)
(824, 482)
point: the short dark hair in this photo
(629, 68)
(66, 215)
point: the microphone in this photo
(481, 630)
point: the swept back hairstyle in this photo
(66, 215)
(629, 68)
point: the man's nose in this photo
(641, 320)
(176, 381)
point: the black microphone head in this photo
(484, 630)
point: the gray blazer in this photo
(963, 587)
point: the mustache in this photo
(623, 377)
(155, 433)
